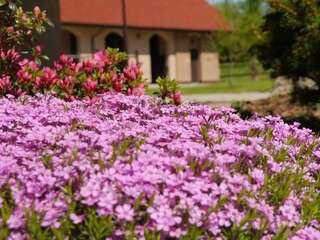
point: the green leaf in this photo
(3, 2)
(282, 234)
(95, 227)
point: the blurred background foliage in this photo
(245, 17)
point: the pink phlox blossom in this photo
(125, 212)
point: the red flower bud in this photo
(37, 11)
(176, 97)
(10, 29)
(90, 85)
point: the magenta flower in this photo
(76, 219)
(137, 91)
(102, 58)
(16, 220)
(90, 85)
(176, 97)
(125, 212)
(132, 72)
(5, 84)
(117, 82)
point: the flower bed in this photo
(126, 167)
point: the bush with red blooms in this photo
(70, 79)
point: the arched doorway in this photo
(158, 53)
(69, 43)
(195, 44)
(114, 40)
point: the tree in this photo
(290, 41)
(245, 18)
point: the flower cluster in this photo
(68, 78)
(127, 167)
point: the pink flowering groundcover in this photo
(127, 167)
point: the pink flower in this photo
(102, 58)
(10, 29)
(76, 219)
(17, 236)
(11, 55)
(65, 60)
(37, 11)
(258, 176)
(24, 76)
(5, 84)
(132, 72)
(90, 85)
(38, 50)
(94, 100)
(317, 154)
(49, 76)
(66, 83)
(16, 220)
(19, 92)
(176, 97)
(125, 212)
(117, 82)
(88, 66)
(31, 65)
(137, 91)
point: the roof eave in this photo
(70, 23)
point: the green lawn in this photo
(234, 84)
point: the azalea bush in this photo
(127, 167)
(22, 73)
(70, 79)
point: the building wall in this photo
(91, 39)
(209, 63)
(183, 60)
(209, 67)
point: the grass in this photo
(236, 84)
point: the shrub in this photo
(126, 167)
(69, 79)
(291, 39)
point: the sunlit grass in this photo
(237, 84)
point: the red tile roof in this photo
(195, 15)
